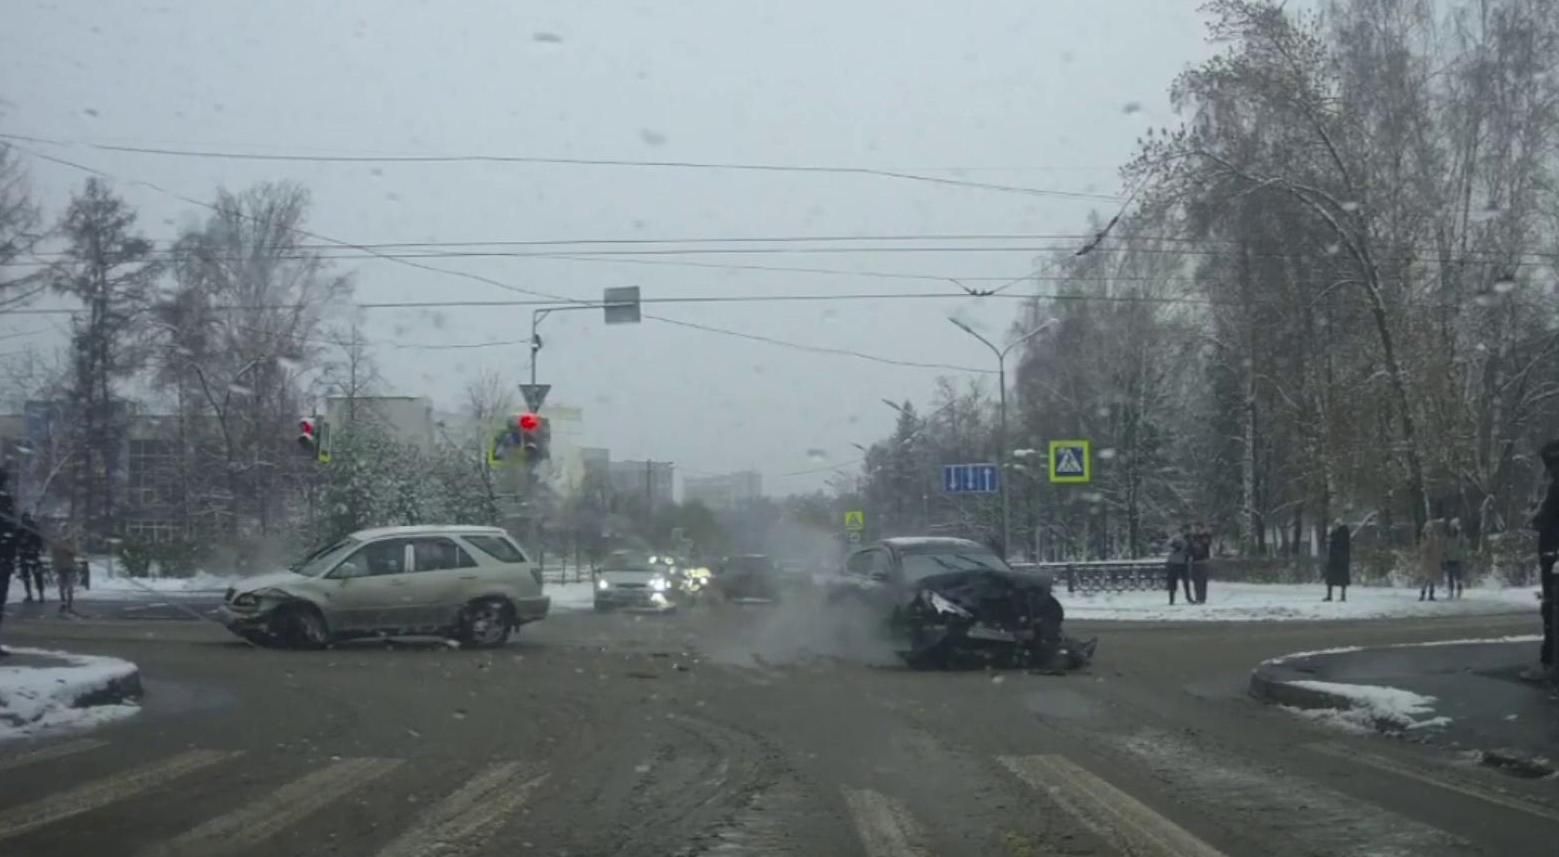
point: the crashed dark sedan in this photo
(953, 603)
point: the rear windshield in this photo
(497, 547)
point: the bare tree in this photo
(19, 231)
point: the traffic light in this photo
(308, 435)
(314, 438)
(535, 437)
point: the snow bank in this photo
(1280, 602)
(1371, 707)
(36, 699)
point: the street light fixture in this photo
(1001, 423)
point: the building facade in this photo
(643, 478)
(723, 491)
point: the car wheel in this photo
(302, 627)
(486, 624)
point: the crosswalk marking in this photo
(98, 793)
(1391, 766)
(884, 825)
(461, 821)
(1117, 817)
(52, 751)
(282, 808)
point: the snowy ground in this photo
(571, 596)
(105, 588)
(1273, 602)
(38, 699)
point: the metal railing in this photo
(1108, 575)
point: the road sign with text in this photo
(971, 478)
(1071, 462)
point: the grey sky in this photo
(1030, 93)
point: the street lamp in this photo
(1001, 423)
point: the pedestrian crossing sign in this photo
(1070, 462)
(855, 520)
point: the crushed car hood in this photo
(981, 591)
(272, 579)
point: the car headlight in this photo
(248, 599)
(658, 584)
(942, 605)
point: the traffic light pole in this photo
(1001, 423)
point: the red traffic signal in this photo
(529, 422)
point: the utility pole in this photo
(1001, 422)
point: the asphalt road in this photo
(721, 731)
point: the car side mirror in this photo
(347, 570)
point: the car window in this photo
(381, 558)
(861, 562)
(438, 554)
(497, 547)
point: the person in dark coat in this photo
(1546, 522)
(7, 544)
(1339, 559)
(1201, 559)
(29, 556)
(1177, 567)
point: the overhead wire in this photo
(508, 287)
(733, 166)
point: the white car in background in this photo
(630, 580)
(468, 582)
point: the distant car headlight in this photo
(603, 583)
(659, 584)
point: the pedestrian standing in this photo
(1177, 568)
(29, 556)
(1431, 558)
(1201, 557)
(1455, 559)
(62, 558)
(1546, 522)
(1339, 560)
(7, 544)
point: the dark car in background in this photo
(748, 576)
(952, 602)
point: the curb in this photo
(117, 690)
(1266, 688)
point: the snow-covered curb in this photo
(1364, 708)
(85, 690)
(1343, 650)
(1283, 602)
(571, 596)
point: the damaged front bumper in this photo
(988, 619)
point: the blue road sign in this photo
(971, 478)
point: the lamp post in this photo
(1001, 422)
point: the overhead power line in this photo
(733, 166)
(507, 287)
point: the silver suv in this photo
(471, 583)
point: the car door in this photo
(441, 572)
(369, 584)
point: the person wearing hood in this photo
(1177, 567)
(1339, 560)
(1431, 558)
(1546, 522)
